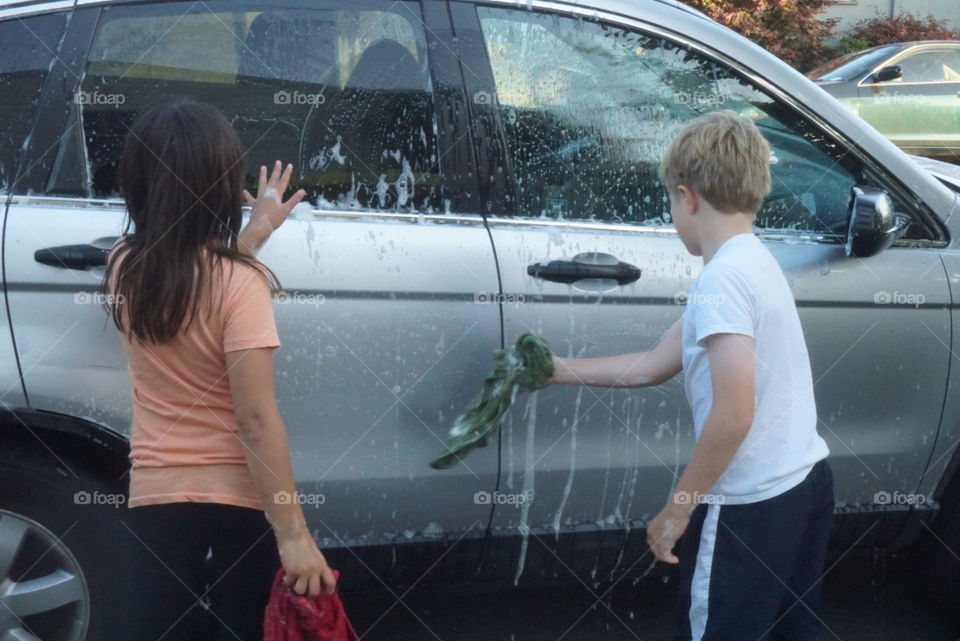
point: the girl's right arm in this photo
(268, 458)
(640, 369)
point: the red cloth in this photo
(294, 617)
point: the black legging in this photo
(171, 575)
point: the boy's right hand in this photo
(305, 566)
(561, 372)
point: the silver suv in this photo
(476, 170)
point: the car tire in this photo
(61, 551)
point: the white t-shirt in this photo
(743, 291)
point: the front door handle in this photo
(72, 256)
(571, 271)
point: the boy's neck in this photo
(725, 226)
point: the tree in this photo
(790, 29)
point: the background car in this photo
(451, 151)
(910, 92)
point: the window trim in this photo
(873, 167)
(118, 205)
(34, 9)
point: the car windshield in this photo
(851, 66)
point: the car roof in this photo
(914, 43)
(616, 6)
(598, 4)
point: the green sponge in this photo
(525, 367)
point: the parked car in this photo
(910, 92)
(450, 149)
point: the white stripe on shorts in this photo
(700, 586)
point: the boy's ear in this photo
(689, 198)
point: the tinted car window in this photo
(341, 90)
(589, 110)
(939, 65)
(26, 57)
(852, 66)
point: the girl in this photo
(208, 447)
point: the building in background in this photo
(850, 12)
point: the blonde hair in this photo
(722, 157)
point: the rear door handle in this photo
(570, 271)
(72, 256)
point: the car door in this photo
(920, 111)
(30, 45)
(379, 329)
(585, 107)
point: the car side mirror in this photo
(873, 223)
(886, 74)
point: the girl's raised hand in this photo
(269, 210)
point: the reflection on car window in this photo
(938, 65)
(589, 110)
(853, 66)
(25, 59)
(342, 91)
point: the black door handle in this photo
(72, 256)
(570, 271)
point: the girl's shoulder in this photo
(238, 273)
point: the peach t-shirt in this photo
(184, 442)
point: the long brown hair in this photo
(181, 175)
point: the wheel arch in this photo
(67, 441)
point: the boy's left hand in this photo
(664, 531)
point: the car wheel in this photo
(56, 575)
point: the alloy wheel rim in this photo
(43, 591)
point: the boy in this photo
(756, 499)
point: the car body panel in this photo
(11, 386)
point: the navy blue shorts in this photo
(752, 572)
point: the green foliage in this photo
(849, 44)
(790, 29)
(906, 27)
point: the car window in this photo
(26, 57)
(938, 65)
(852, 66)
(341, 90)
(589, 109)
